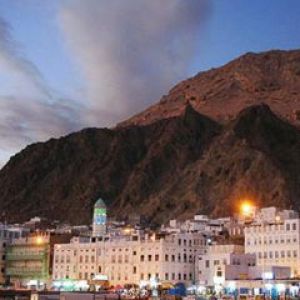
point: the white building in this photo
(132, 258)
(223, 262)
(274, 237)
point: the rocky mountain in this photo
(272, 77)
(179, 165)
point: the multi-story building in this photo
(131, 258)
(7, 234)
(29, 259)
(274, 237)
(223, 262)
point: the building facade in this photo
(223, 262)
(133, 258)
(274, 237)
(29, 259)
(7, 234)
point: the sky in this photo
(70, 64)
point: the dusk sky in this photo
(66, 65)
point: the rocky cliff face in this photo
(170, 167)
(272, 77)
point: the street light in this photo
(246, 208)
(39, 240)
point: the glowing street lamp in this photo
(39, 240)
(246, 209)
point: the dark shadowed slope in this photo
(174, 167)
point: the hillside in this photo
(271, 77)
(175, 164)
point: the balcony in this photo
(26, 256)
(26, 272)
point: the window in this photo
(166, 257)
(149, 257)
(149, 276)
(207, 263)
(173, 276)
(156, 257)
(184, 276)
(219, 273)
(276, 254)
(282, 254)
(134, 269)
(179, 242)
(216, 262)
(173, 257)
(167, 276)
(294, 226)
(179, 276)
(134, 252)
(295, 253)
(184, 257)
(288, 226)
(142, 258)
(142, 276)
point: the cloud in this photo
(30, 111)
(13, 61)
(130, 51)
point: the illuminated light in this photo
(32, 282)
(39, 240)
(153, 282)
(231, 286)
(218, 280)
(143, 283)
(100, 277)
(268, 275)
(280, 287)
(127, 230)
(277, 219)
(247, 208)
(269, 286)
(201, 289)
(294, 289)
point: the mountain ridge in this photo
(174, 164)
(271, 77)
